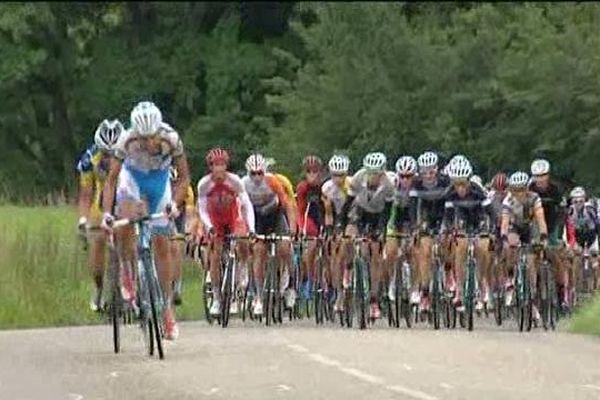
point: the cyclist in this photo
(271, 207)
(366, 212)
(520, 209)
(497, 194)
(583, 229)
(285, 181)
(400, 221)
(554, 206)
(310, 217)
(93, 169)
(221, 200)
(427, 210)
(334, 193)
(141, 165)
(467, 210)
(182, 227)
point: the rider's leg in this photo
(259, 257)
(96, 262)
(424, 255)
(484, 263)
(391, 258)
(460, 257)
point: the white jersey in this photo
(136, 156)
(337, 195)
(371, 200)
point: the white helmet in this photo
(256, 162)
(577, 191)
(339, 164)
(146, 118)
(107, 134)
(460, 170)
(540, 167)
(459, 158)
(427, 159)
(406, 165)
(476, 179)
(518, 179)
(173, 173)
(375, 161)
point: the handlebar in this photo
(131, 221)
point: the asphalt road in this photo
(301, 361)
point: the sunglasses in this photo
(312, 172)
(540, 176)
(578, 201)
(518, 190)
(460, 183)
(409, 176)
(257, 173)
(338, 175)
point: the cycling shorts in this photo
(364, 221)
(274, 222)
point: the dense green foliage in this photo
(501, 82)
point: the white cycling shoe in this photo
(215, 308)
(258, 307)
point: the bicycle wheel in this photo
(360, 295)
(268, 294)
(154, 297)
(116, 307)
(207, 297)
(318, 295)
(398, 296)
(436, 299)
(499, 306)
(470, 294)
(544, 296)
(226, 294)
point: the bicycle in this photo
(547, 293)
(471, 283)
(150, 299)
(524, 298)
(402, 284)
(323, 307)
(441, 299)
(272, 299)
(228, 276)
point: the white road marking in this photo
(283, 388)
(594, 387)
(298, 348)
(114, 374)
(446, 385)
(375, 380)
(362, 375)
(75, 396)
(211, 391)
(412, 393)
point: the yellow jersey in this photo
(93, 170)
(287, 186)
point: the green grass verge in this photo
(587, 319)
(44, 279)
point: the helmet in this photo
(312, 163)
(406, 165)
(173, 173)
(146, 118)
(499, 181)
(256, 162)
(460, 170)
(427, 159)
(217, 154)
(540, 167)
(458, 159)
(375, 161)
(339, 164)
(518, 179)
(107, 134)
(577, 191)
(270, 163)
(476, 179)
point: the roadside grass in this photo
(44, 279)
(587, 319)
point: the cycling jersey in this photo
(310, 208)
(368, 206)
(400, 220)
(219, 205)
(521, 213)
(467, 213)
(427, 202)
(582, 226)
(287, 186)
(553, 204)
(145, 173)
(269, 201)
(335, 195)
(188, 202)
(93, 168)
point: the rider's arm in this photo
(86, 189)
(110, 186)
(290, 210)
(570, 228)
(384, 216)
(202, 204)
(247, 210)
(183, 181)
(538, 213)
(505, 217)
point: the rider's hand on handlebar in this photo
(107, 221)
(172, 211)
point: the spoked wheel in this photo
(348, 307)
(499, 307)
(117, 315)
(244, 302)
(207, 297)
(154, 291)
(360, 298)
(226, 296)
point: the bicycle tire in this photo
(207, 298)
(154, 293)
(360, 295)
(470, 294)
(226, 296)
(436, 297)
(268, 295)
(116, 307)
(499, 306)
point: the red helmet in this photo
(312, 163)
(217, 154)
(499, 181)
